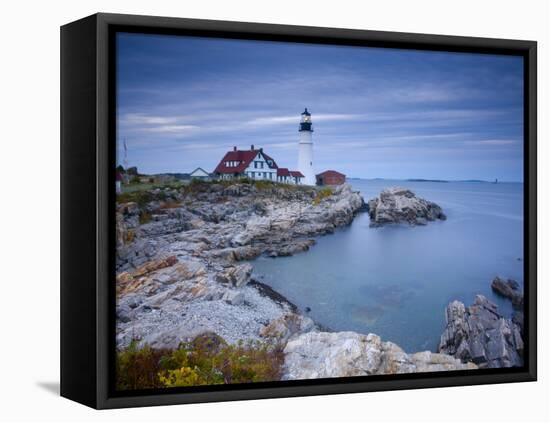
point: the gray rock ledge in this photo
(401, 205)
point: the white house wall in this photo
(258, 172)
(199, 173)
(261, 171)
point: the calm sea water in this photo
(396, 281)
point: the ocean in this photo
(396, 281)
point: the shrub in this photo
(139, 197)
(207, 360)
(138, 368)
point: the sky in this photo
(182, 102)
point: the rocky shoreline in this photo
(182, 271)
(181, 257)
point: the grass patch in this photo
(322, 194)
(264, 185)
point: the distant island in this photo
(426, 180)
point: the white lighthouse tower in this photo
(305, 149)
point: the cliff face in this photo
(480, 334)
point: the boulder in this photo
(281, 329)
(343, 354)
(509, 289)
(233, 297)
(400, 205)
(479, 334)
(238, 275)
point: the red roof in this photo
(331, 173)
(244, 157)
(283, 171)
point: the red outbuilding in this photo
(330, 177)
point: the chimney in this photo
(261, 150)
(234, 148)
(252, 147)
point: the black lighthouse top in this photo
(305, 123)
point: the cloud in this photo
(492, 142)
(178, 129)
(326, 117)
(144, 119)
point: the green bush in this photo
(207, 360)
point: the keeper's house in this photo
(254, 164)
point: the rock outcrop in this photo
(400, 205)
(480, 334)
(509, 289)
(339, 354)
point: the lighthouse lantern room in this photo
(305, 149)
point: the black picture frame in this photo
(88, 194)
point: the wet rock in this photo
(291, 248)
(509, 289)
(400, 205)
(479, 334)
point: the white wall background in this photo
(29, 210)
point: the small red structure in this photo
(330, 177)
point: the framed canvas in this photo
(258, 211)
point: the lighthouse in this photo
(305, 149)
